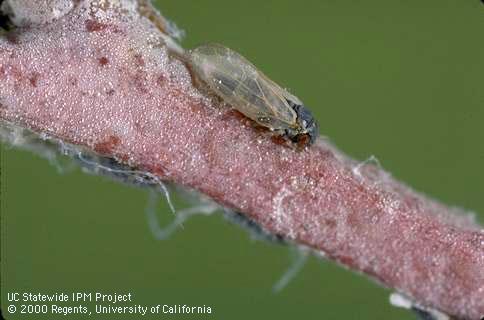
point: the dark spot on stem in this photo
(160, 80)
(124, 158)
(138, 58)
(346, 260)
(331, 223)
(103, 61)
(107, 146)
(73, 80)
(195, 107)
(34, 78)
(93, 25)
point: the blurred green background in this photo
(401, 80)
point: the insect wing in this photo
(240, 84)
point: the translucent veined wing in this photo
(244, 87)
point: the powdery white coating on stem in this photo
(102, 78)
(29, 13)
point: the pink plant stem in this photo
(102, 78)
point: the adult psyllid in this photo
(113, 298)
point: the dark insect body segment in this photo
(308, 129)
